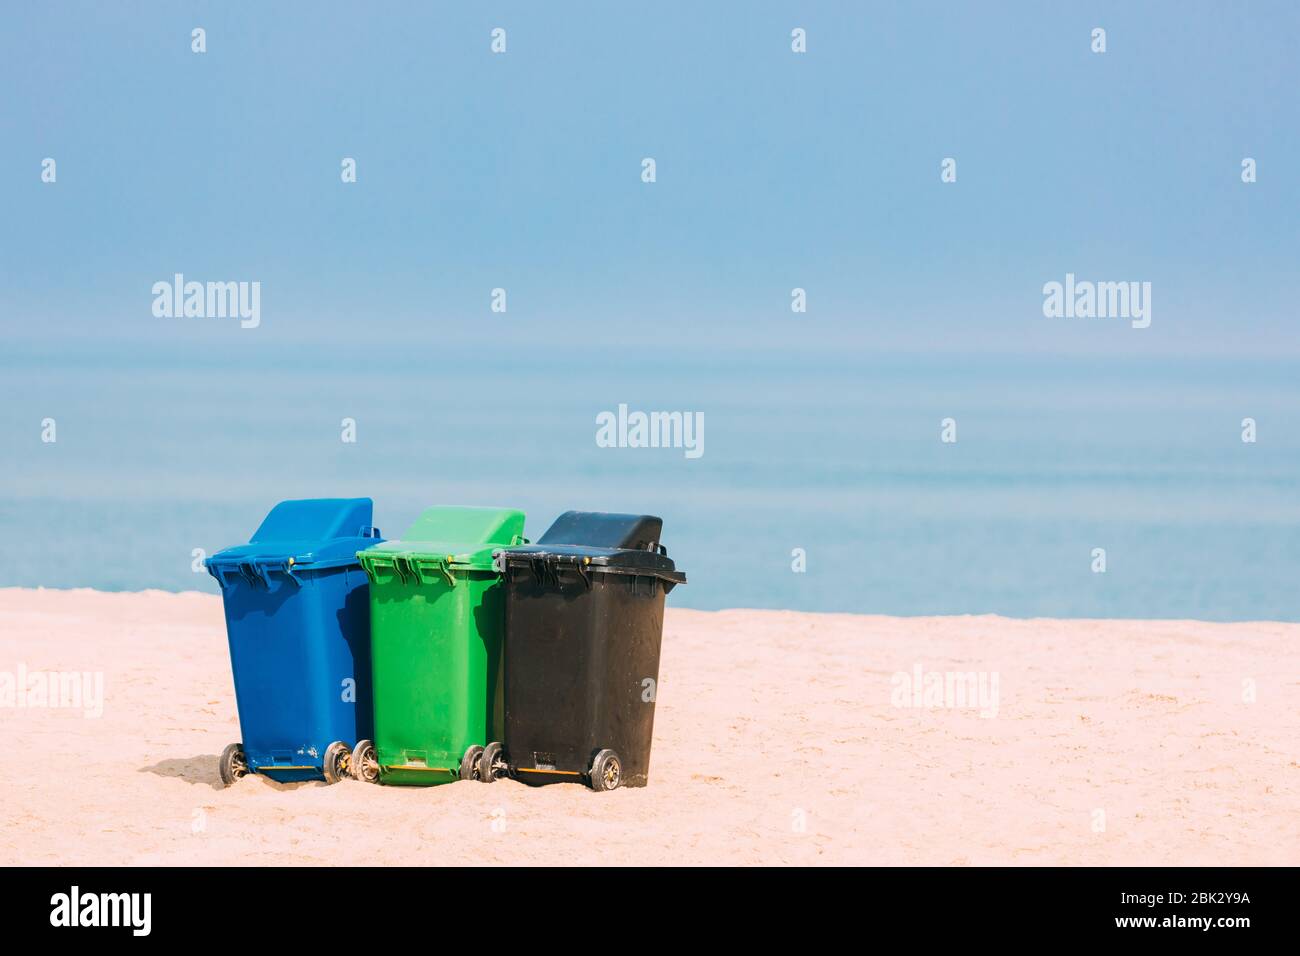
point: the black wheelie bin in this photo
(584, 616)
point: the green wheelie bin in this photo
(436, 620)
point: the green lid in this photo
(453, 538)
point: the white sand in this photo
(765, 719)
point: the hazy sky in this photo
(774, 170)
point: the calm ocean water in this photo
(160, 453)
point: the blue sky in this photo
(775, 170)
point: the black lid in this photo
(626, 544)
(600, 530)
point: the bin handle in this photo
(518, 540)
(248, 572)
(417, 572)
(367, 531)
(369, 570)
(255, 571)
(546, 574)
(444, 568)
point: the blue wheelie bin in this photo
(298, 618)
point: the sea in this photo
(826, 480)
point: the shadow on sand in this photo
(202, 771)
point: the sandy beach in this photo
(780, 737)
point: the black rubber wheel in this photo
(338, 758)
(469, 763)
(232, 764)
(364, 764)
(606, 771)
(492, 763)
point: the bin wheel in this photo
(232, 764)
(338, 760)
(492, 763)
(606, 771)
(365, 762)
(469, 763)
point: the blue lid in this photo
(313, 533)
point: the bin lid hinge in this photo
(444, 568)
